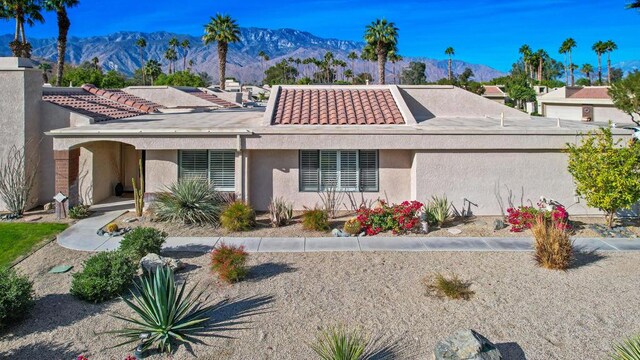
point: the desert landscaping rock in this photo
(498, 224)
(466, 345)
(153, 261)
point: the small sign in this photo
(60, 197)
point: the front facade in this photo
(591, 103)
(365, 142)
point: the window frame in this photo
(209, 170)
(319, 185)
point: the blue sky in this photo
(487, 32)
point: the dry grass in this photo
(552, 244)
(452, 288)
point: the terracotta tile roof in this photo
(210, 98)
(96, 107)
(591, 93)
(123, 98)
(336, 107)
(492, 90)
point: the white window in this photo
(215, 166)
(343, 170)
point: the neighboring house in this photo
(590, 103)
(495, 93)
(389, 142)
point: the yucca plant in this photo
(338, 343)
(439, 209)
(190, 201)
(280, 212)
(165, 312)
(627, 350)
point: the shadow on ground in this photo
(511, 351)
(269, 270)
(40, 351)
(582, 257)
(385, 348)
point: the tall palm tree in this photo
(541, 56)
(382, 36)
(141, 43)
(153, 69)
(46, 68)
(587, 70)
(223, 30)
(368, 54)
(96, 62)
(60, 7)
(24, 12)
(353, 56)
(599, 48)
(185, 45)
(526, 52)
(450, 52)
(566, 48)
(171, 55)
(609, 47)
(634, 5)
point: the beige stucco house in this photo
(591, 103)
(392, 142)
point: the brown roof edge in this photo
(118, 98)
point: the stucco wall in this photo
(601, 113)
(161, 168)
(99, 171)
(471, 180)
(274, 173)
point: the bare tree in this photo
(17, 179)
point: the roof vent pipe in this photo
(502, 119)
(558, 124)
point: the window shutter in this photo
(222, 167)
(328, 170)
(193, 164)
(368, 170)
(348, 171)
(309, 180)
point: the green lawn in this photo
(18, 239)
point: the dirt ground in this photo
(531, 313)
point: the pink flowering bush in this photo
(398, 218)
(523, 217)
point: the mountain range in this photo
(118, 51)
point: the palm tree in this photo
(566, 48)
(587, 70)
(23, 11)
(223, 30)
(525, 50)
(609, 47)
(538, 59)
(382, 36)
(46, 68)
(348, 74)
(141, 43)
(191, 63)
(60, 7)
(450, 52)
(153, 69)
(185, 45)
(171, 55)
(353, 56)
(599, 48)
(634, 5)
(96, 62)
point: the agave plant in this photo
(166, 314)
(189, 201)
(338, 343)
(438, 210)
(627, 350)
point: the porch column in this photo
(67, 165)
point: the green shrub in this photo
(238, 216)
(191, 202)
(627, 350)
(352, 226)
(438, 210)
(315, 219)
(16, 296)
(105, 276)
(453, 287)
(338, 343)
(79, 212)
(229, 262)
(141, 241)
(165, 311)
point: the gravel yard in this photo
(529, 312)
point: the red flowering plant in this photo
(398, 218)
(523, 217)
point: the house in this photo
(495, 93)
(380, 141)
(591, 103)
